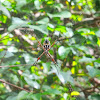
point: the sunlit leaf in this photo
(61, 28)
(98, 42)
(75, 93)
(73, 70)
(50, 2)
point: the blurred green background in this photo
(75, 24)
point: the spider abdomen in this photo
(46, 44)
(46, 47)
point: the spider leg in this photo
(53, 61)
(38, 59)
(52, 45)
(40, 44)
(51, 58)
(40, 56)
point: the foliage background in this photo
(75, 24)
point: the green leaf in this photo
(94, 97)
(46, 67)
(20, 3)
(93, 71)
(58, 6)
(12, 98)
(85, 30)
(83, 48)
(63, 52)
(97, 65)
(98, 33)
(69, 32)
(66, 77)
(30, 76)
(43, 21)
(79, 39)
(22, 95)
(5, 11)
(86, 59)
(51, 91)
(10, 60)
(12, 49)
(37, 4)
(17, 23)
(63, 14)
(36, 96)
(32, 83)
(6, 53)
(41, 28)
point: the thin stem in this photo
(14, 85)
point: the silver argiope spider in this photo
(46, 47)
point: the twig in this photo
(35, 62)
(14, 85)
(28, 29)
(63, 38)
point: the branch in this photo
(3, 35)
(14, 85)
(18, 33)
(89, 90)
(80, 13)
(89, 21)
(17, 65)
(83, 13)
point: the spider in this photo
(46, 47)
